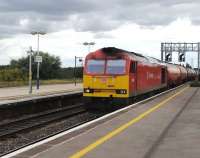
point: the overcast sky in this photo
(135, 25)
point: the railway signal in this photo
(168, 48)
(168, 57)
(181, 56)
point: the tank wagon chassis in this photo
(117, 76)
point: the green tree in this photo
(68, 73)
(49, 68)
(12, 74)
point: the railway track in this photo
(74, 115)
(41, 119)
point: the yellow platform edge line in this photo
(113, 133)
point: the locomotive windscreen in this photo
(96, 66)
(116, 66)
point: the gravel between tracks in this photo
(24, 138)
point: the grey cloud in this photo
(23, 16)
(101, 35)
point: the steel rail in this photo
(14, 127)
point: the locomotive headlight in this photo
(88, 90)
(121, 91)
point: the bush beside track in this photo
(4, 84)
(195, 84)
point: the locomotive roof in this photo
(113, 50)
(137, 56)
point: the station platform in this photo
(167, 126)
(17, 93)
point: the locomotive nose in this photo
(104, 82)
(106, 86)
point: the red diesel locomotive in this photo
(118, 74)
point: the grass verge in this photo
(195, 84)
(42, 82)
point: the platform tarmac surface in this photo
(167, 126)
(17, 93)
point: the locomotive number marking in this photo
(103, 80)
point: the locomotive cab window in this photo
(116, 66)
(95, 66)
(133, 67)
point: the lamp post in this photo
(198, 59)
(89, 44)
(38, 33)
(80, 59)
(30, 52)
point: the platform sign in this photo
(38, 59)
